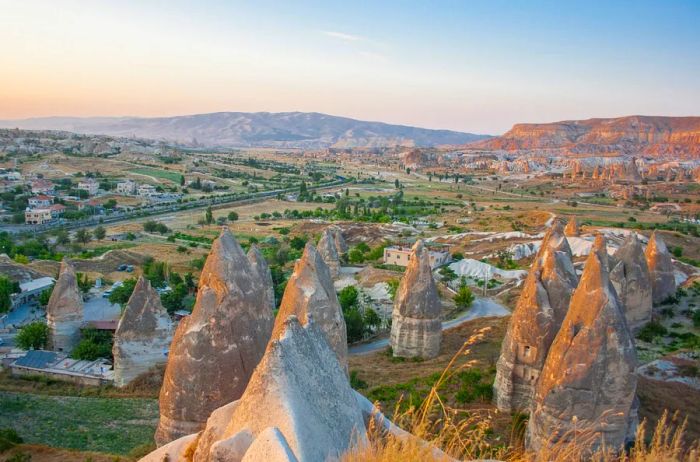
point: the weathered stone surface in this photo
(64, 312)
(663, 281)
(340, 245)
(572, 229)
(632, 282)
(329, 252)
(540, 310)
(215, 350)
(298, 403)
(143, 336)
(259, 264)
(587, 386)
(416, 330)
(310, 291)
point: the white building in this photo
(89, 185)
(127, 188)
(40, 201)
(147, 190)
(32, 289)
(37, 216)
(42, 187)
(399, 255)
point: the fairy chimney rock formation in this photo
(587, 385)
(216, 348)
(329, 252)
(64, 312)
(340, 245)
(310, 291)
(632, 282)
(572, 229)
(416, 330)
(298, 405)
(143, 336)
(663, 281)
(540, 310)
(259, 264)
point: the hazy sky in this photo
(463, 65)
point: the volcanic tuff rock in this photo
(656, 136)
(329, 252)
(540, 310)
(215, 350)
(298, 404)
(632, 282)
(310, 291)
(143, 335)
(663, 281)
(340, 245)
(259, 264)
(416, 330)
(587, 386)
(572, 229)
(64, 312)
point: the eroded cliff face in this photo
(64, 312)
(541, 308)
(328, 250)
(416, 330)
(216, 348)
(310, 292)
(143, 336)
(624, 135)
(587, 385)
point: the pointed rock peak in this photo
(66, 268)
(630, 248)
(656, 245)
(600, 247)
(572, 228)
(255, 257)
(418, 248)
(225, 259)
(143, 313)
(555, 238)
(65, 297)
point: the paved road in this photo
(481, 308)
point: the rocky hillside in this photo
(656, 136)
(259, 129)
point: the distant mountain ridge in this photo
(308, 130)
(631, 135)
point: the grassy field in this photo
(88, 424)
(158, 173)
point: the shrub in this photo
(651, 330)
(356, 382)
(94, 344)
(8, 439)
(33, 336)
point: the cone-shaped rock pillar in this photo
(663, 281)
(632, 282)
(64, 312)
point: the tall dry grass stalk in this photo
(467, 435)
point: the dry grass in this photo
(469, 436)
(40, 453)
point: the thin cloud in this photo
(343, 36)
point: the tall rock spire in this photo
(143, 335)
(416, 330)
(64, 312)
(572, 228)
(540, 310)
(328, 250)
(587, 385)
(632, 282)
(663, 281)
(215, 350)
(259, 264)
(310, 291)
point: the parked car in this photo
(122, 268)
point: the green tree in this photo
(7, 288)
(93, 344)
(356, 256)
(33, 336)
(209, 216)
(99, 233)
(182, 180)
(464, 297)
(371, 318)
(120, 295)
(62, 237)
(83, 236)
(354, 324)
(84, 283)
(298, 242)
(232, 216)
(348, 297)
(45, 296)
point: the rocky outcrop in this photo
(310, 292)
(298, 405)
(572, 229)
(215, 350)
(329, 252)
(259, 264)
(340, 245)
(64, 312)
(587, 387)
(632, 282)
(143, 335)
(540, 310)
(655, 136)
(416, 330)
(663, 281)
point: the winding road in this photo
(481, 308)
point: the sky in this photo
(474, 66)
